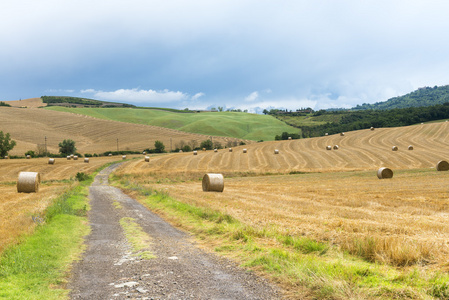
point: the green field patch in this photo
(139, 240)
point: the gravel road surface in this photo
(108, 270)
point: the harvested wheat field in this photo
(28, 103)
(20, 212)
(358, 150)
(29, 127)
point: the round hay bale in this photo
(289, 137)
(213, 182)
(71, 155)
(51, 161)
(28, 156)
(110, 154)
(147, 159)
(68, 157)
(328, 147)
(144, 153)
(244, 150)
(75, 157)
(383, 173)
(204, 149)
(342, 134)
(28, 182)
(326, 134)
(86, 160)
(442, 165)
(336, 147)
(410, 147)
(394, 148)
(124, 157)
(6, 157)
(215, 150)
(195, 152)
(372, 128)
(180, 151)
(276, 151)
(230, 149)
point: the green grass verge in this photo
(308, 268)
(138, 239)
(231, 124)
(37, 267)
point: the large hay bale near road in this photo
(86, 160)
(383, 173)
(394, 148)
(244, 150)
(147, 159)
(51, 161)
(124, 157)
(336, 147)
(28, 182)
(442, 165)
(213, 182)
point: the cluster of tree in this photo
(298, 112)
(426, 96)
(285, 135)
(4, 104)
(355, 120)
(81, 101)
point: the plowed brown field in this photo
(29, 127)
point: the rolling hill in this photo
(29, 127)
(230, 124)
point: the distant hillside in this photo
(80, 102)
(426, 96)
(231, 124)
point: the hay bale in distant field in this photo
(342, 134)
(75, 157)
(442, 165)
(204, 149)
(336, 147)
(244, 150)
(28, 156)
(51, 161)
(215, 150)
(147, 159)
(28, 182)
(213, 182)
(68, 157)
(6, 157)
(394, 148)
(86, 160)
(195, 152)
(383, 173)
(144, 153)
(328, 147)
(410, 147)
(110, 154)
(71, 155)
(289, 137)
(124, 157)
(372, 128)
(276, 151)
(326, 134)
(230, 149)
(180, 151)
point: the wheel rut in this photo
(180, 270)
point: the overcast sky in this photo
(247, 54)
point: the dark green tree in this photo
(206, 144)
(6, 144)
(67, 147)
(159, 147)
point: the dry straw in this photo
(442, 165)
(336, 147)
(328, 147)
(147, 159)
(180, 151)
(289, 137)
(204, 149)
(75, 157)
(144, 153)
(410, 147)
(383, 173)
(213, 182)
(71, 155)
(28, 156)
(6, 157)
(68, 157)
(124, 157)
(326, 134)
(276, 151)
(342, 134)
(28, 182)
(394, 148)
(244, 150)
(51, 161)
(195, 152)
(215, 150)
(372, 128)
(86, 160)
(230, 149)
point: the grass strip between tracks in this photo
(38, 266)
(305, 268)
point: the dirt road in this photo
(109, 270)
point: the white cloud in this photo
(197, 95)
(140, 96)
(252, 97)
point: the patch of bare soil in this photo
(109, 270)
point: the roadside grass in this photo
(306, 268)
(230, 124)
(138, 239)
(37, 267)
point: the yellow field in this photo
(29, 103)
(400, 221)
(29, 127)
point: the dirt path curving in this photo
(108, 270)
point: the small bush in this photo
(80, 176)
